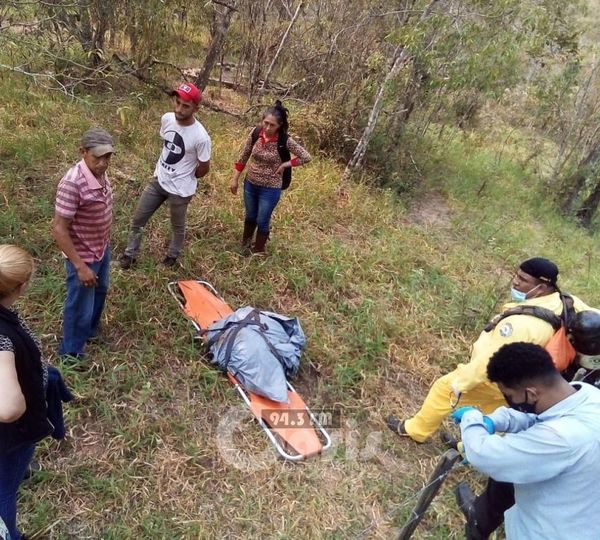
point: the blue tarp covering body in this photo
(260, 348)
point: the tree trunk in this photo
(85, 33)
(216, 44)
(401, 56)
(361, 148)
(407, 106)
(258, 48)
(586, 213)
(281, 44)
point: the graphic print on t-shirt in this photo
(173, 150)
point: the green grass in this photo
(388, 301)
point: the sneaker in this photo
(126, 261)
(396, 425)
(169, 261)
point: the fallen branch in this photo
(206, 102)
(130, 70)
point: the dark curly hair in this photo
(281, 113)
(518, 364)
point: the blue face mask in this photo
(519, 296)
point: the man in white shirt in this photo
(550, 448)
(185, 157)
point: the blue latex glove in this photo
(458, 413)
(487, 421)
(489, 425)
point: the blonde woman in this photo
(23, 378)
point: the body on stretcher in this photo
(292, 428)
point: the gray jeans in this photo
(152, 198)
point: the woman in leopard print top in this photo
(263, 183)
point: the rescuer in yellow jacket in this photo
(534, 284)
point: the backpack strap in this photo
(284, 155)
(232, 329)
(282, 148)
(255, 134)
(538, 312)
(534, 311)
(568, 311)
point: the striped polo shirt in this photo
(83, 200)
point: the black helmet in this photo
(584, 331)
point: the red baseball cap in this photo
(188, 92)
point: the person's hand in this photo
(282, 167)
(87, 276)
(489, 425)
(458, 413)
(455, 389)
(233, 186)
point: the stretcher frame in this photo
(247, 396)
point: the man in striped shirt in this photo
(81, 228)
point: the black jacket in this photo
(57, 393)
(33, 424)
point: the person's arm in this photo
(240, 164)
(202, 169)
(535, 454)
(507, 420)
(12, 400)
(301, 156)
(60, 232)
(203, 152)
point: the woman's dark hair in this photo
(281, 113)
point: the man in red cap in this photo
(185, 157)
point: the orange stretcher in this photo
(293, 429)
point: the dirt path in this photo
(431, 209)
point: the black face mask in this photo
(521, 406)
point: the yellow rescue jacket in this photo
(509, 330)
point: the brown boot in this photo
(249, 228)
(261, 240)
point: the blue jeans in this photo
(260, 202)
(83, 306)
(12, 470)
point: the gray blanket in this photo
(262, 349)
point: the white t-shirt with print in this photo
(183, 147)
